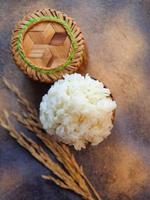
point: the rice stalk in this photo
(64, 180)
(61, 151)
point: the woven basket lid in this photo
(48, 44)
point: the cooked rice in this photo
(78, 110)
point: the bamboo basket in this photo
(48, 44)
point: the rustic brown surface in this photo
(118, 37)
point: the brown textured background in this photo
(118, 39)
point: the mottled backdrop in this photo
(118, 40)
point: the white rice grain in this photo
(77, 110)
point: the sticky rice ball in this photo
(78, 110)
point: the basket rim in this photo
(24, 25)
